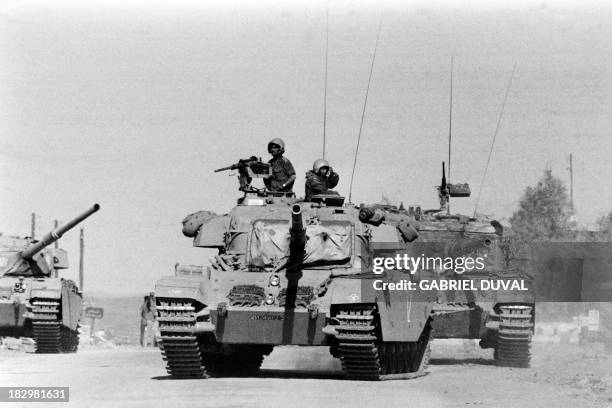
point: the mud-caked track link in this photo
(365, 357)
(514, 337)
(69, 340)
(178, 344)
(46, 325)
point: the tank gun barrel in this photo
(297, 233)
(57, 233)
(462, 247)
(297, 224)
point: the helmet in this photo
(279, 142)
(318, 164)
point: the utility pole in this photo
(571, 171)
(55, 225)
(81, 252)
(33, 227)
(56, 245)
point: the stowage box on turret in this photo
(34, 302)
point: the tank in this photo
(34, 302)
(291, 272)
(501, 319)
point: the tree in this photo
(544, 212)
(605, 227)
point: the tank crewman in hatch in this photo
(320, 179)
(283, 173)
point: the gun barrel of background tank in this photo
(462, 247)
(57, 233)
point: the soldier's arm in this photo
(332, 180)
(308, 187)
(290, 180)
(290, 171)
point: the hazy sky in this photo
(132, 105)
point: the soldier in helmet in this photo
(320, 179)
(283, 173)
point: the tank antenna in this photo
(325, 92)
(501, 114)
(33, 226)
(81, 253)
(365, 102)
(450, 123)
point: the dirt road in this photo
(306, 377)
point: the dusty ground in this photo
(460, 375)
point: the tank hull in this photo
(289, 272)
(45, 309)
(489, 315)
(271, 326)
(12, 319)
(206, 323)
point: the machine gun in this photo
(248, 169)
(241, 165)
(447, 190)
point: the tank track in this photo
(178, 344)
(50, 335)
(514, 337)
(46, 325)
(365, 357)
(69, 339)
(184, 353)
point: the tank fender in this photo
(403, 313)
(516, 297)
(402, 320)
(182, 288)
(47, 288)
(343, 291)
(72, 305)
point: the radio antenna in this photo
(450, 127)
(450, 120)
(325, 93)
(501, 114)
(365, 102)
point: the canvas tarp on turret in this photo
(269, 243)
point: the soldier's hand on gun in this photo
(247, 161)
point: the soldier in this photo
(320, 179)
(153, 325)
(283, 173)
(146, 315)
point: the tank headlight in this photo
(274, 280)
(270, 299)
